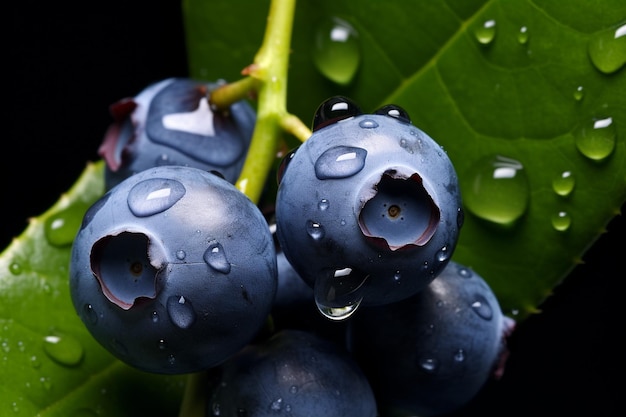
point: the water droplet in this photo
(397, 276)
(336, 51)
(339, 295)
(496, 189)
(486, 33)
(522, 35)
(15, 268)
(154, 195)
(46, 382)
(368, 124)
(276, 404)
(607, 49)
(215, 257)
(34, 362)
(323, 204)
(315, 230)
(561, 221)
(293, 389)
(63, 349)
(579, 93)
(596, 138)
(215, 408)
(482, 308)
(460, 217)
(161, 344)
(90, 314)
(443, 254)
(171, 359)
(464, 272)
(154, 317)
(180, 255)
(60, 229)
(564, 184)
(459, 355)
(429, 365)
(394, 111)
(340, 162)
(333, 110)
(180, 311)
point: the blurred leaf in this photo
(526, 95)
(51, 365)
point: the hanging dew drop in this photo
(561, 221)
(338, 296)
(486, 33)
(63, 349)
(607, 50)
(336, 50)
(496, 189)
(564, 184)
(596, 139)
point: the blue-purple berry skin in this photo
(431, 354)
(171, 122)
(173, 270)
(373, 199)
(293, 373)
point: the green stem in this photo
(270, 68)
(194, 397)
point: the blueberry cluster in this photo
(343, 300)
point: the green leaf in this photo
(522, 100)
(50, 365)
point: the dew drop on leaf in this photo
(496, 189)
(486, 33)
(607, 49)
(522, 35)
(564, 184)
(63, 349)
(579, 93)
(561, 221)
(595, 139)
(336, 50)
(15, 268)
(61, 228)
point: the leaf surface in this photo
(521, 101)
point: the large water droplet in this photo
(340, 162)
(482, 308)
(339, 295)
(63, 349)
(564, 184)
(215, 257)
(180, 311)
(607, 49)
(486, 32)
(496, 189)
(154, 196)
(561, 221)
(596, 139)
(336, 51)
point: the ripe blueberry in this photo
(173, 270)
(431, 353)
(368, 209)
(170, 122)
(294, 373)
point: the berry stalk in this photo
(267, 76)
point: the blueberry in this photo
(368, 209)
(173, 270)
(170, 123)
(294, 373)
(430, 354)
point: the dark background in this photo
(69, 64)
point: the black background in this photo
(70, 63)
